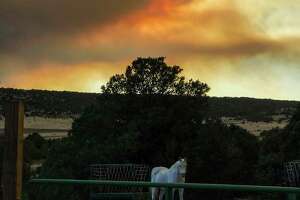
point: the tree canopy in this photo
(153, 76)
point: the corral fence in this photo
(118, 172)
(291, 173)
(291, 192)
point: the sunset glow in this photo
(240, 48)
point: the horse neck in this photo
(174, 166)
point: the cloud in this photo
(32, 19)
(53, 29)
(112, 31)
(218, 41)
(86, 77)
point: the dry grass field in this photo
(50, 128)
(53, 128)
(279, 121)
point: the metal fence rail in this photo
(290, 191)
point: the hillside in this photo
(48, 103)
(255, 115)
(63, 103)
(251, 109)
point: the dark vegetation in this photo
(154, 121)
(250, 109)
(48, 103)
(35, 149)
(70, 104)
(278, 146)
(152, 115)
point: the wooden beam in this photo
(13, 151)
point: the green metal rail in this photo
(290, 191)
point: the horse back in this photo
(156, 170)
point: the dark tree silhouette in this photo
(153, 76)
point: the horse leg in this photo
(181, 193)
(154, 192)
(161, 193)
(173, 194)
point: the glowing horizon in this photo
(243, 48)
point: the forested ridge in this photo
(48, 103)
(69, 104)
(251, 109)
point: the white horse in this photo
(176, 174)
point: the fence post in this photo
(13, 151)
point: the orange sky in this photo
(240, 48)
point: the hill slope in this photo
(255, 115)
(48, 103)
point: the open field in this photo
(56, 110)
(257, 127)
(53, 128)
(49, 128)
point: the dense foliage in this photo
(35, 147)
(48, 103)
(70, 104)
(151, 128)
(250, 109)
(276, 147)
(149, 76)
(156, 132)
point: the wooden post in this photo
(13, 151)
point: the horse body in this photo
(176, 174)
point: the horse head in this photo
(182, 167)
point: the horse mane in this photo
(175, 164)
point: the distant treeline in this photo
(70, 104)
(48, 103)
(250, 109)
